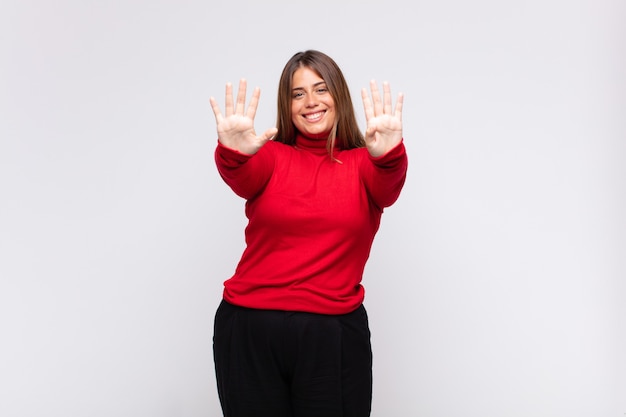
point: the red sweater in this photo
(311, 223)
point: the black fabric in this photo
(273, 363)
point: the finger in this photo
(398, 110)
(254, 103)
(229, 99)
(386, 98)
(378, 107)
(269, 134)
(370, 133)
(367, 104)
(241, 96)
(216, 109)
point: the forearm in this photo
(245, 174)
(386, 176)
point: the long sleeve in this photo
(384, 176)
(245, 174)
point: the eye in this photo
(322, 90)
(297, 94)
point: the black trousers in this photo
(273, 363)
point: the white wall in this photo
(496, 285)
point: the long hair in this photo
(345, 133)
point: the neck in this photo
(317, 145)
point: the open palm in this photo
(235, 128)
(384, 124)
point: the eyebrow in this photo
(314, 85)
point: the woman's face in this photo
(312, 106)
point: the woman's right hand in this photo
(235, 129)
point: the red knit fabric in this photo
(311, 224)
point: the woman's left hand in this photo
(384, 126)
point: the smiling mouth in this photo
(314, 116)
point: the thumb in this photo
(370, 132)
(268, 134)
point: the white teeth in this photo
(314, 116)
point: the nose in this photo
(310, 100)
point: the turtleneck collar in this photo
(317, 146)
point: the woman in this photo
(291, 334)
